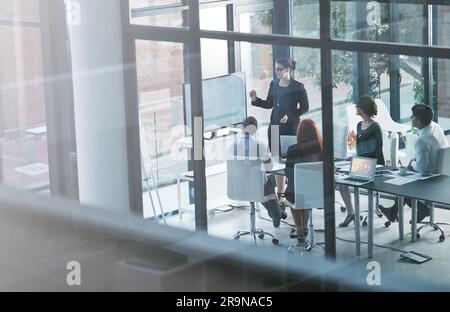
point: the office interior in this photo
(100, 104)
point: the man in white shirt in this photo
(431, 139)
(247, 147)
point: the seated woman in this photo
(309, 148)
(369, 143)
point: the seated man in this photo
(248, 147)
(431, 139)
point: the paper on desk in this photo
(278, 166)
(415, 176)
(399, 181)
(344, 168)
(342, 163)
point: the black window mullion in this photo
(434, 65)
(230, 43)
(327, 122)
(394, 60)
(201, 218)
(425, 60)
(281, 22)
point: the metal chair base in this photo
(432, 224)
(260, 233)
(435, 226)
(309, 244)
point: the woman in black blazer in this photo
(288, 100)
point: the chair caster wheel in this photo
(441, 238)
(361, 218)
(343, 209)
(364, 224)
(387, 224)
(417, 236)
(261, 236)
(284, 215)
(379, 215)
(292, 234)
(275, 241)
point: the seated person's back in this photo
(246, 147)
(309, 148)
(297, 153)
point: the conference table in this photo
(434, 190)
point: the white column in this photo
(96, 44)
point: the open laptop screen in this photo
(363, 167)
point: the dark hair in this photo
(423, 113)
(250, 121)
(287, 63)
(367, 105)
(309, 137)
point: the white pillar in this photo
(97, 64)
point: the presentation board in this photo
(224, 102)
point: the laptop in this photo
(362, 171)
(285, 142)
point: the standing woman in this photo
(369, 143)
(288, 100)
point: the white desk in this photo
(37, 131)
(215, 147)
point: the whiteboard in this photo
(224, 102)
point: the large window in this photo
(392, 51)
(403, 23)
(23, 141)
(164, 13)
(160, 81)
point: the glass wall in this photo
(23, 132)
(160, 101)
(305, 20)
(441, 91)
(163, 13)
(441, 21)
(384, 22)
(387, 72)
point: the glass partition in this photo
(163, 13)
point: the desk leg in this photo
(400, 203)
(414, 220)
(370, 227)
(357, 222)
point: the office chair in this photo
(390, 152)
(308, 188)
(340, 139)
(352, 118)
(386, 122)
(245, 182)
(443, 168)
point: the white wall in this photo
(100, 105)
